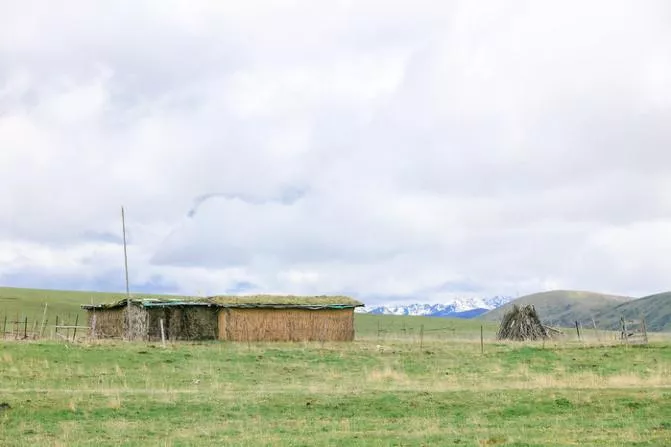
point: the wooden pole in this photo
(577, 329)
(44, 319)
(25, 327)
(421, 336)
(645, 330)
(624, 330)
(596, 331)
(56, 328)
(74, 333)
(125, 263)
(162, 332)
(44, 327)
(4, 327)
(482, 340)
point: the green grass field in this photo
(404, 381)
(361, 393)
(66, 304)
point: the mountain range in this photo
(555, 308)
(457, 308)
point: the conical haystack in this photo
(522, 323)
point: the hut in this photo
(227, 318)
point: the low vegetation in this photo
(380, 390)
(19, 302)
(404, 381)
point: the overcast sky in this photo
(395, 151)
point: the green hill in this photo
(563, 307)
(656, 309)
(21, 303)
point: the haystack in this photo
(521, 324)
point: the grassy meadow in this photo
(369, 392)
(19, 302)
(405, 381)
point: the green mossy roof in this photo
(240, 301)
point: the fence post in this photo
(4, 328)
(44, 320)
(421, 337)
(482, 340)
(162, 331)
(645, 330)
(25, 327)
(43, 328)
(56, 327)
(577, 329)
(74, 333)
(598, 338)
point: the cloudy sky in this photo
(395, 151)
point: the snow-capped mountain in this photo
(460, 308)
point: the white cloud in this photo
(384, 149)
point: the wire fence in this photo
(629, 332)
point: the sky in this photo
(394, 151)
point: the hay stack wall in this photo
(106, 323)
(112, 322)
(182, 322)
(286, 324)
(259, 318)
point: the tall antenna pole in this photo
(125, 252)
(125, 262)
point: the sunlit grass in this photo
(361, 393)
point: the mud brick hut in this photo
(227, 318)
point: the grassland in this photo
(385, 391)
(405, 381)
(66, 304)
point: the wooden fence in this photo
(22, 327)
(633, 331)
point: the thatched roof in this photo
(236, 301)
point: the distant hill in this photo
(656, 309)
(19, 302)
(563, 307)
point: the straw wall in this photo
(182, 323)
(138, 323)
(112, 323)
(286, 325)
(108, 323)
